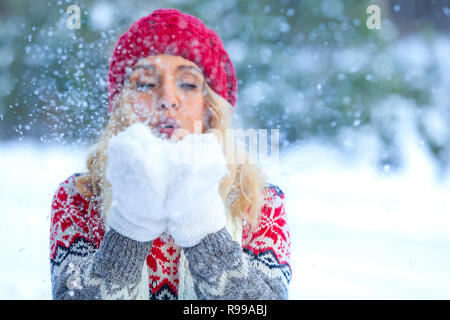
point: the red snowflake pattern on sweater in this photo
(75, 217)
(272, 232)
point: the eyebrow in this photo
(152, 67)
(180, 68)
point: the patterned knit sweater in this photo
(88, 263)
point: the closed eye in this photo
(144, 86)
(188, 86)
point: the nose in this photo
(168, 99)
(165, 105)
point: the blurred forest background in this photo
(312, 69)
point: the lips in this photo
(167, 126)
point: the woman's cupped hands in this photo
(165, 186)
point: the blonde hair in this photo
(241, 190)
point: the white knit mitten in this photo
(194, 205)
(138, 176)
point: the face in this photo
(167, 92)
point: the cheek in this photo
(141, 106)
(195, 107)
(190, 116)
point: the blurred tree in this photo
(409, 16)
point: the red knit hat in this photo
(170, 31)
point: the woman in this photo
(139, 225)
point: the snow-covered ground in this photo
(355, 233)
(358, 234)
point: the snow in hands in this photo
(159, 185)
